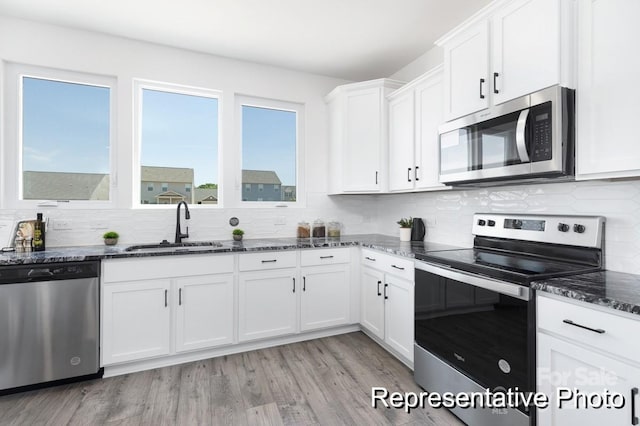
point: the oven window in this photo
(479, 332)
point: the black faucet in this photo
(179, 234)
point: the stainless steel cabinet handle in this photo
(370, 258)
(326, 257)
(179, 296)
(595, 330)
(397, 267)
(270, 261)
(385, 290)
(165, 298)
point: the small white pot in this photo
(405, 234)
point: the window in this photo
(64, 136)
(150, 187)
(247, 187)
(178, 141)
(271, 147)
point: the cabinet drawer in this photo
(116, 270)
(615, 330)
(324, 256)
(398, 266)
(267, 260)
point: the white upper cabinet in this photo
(507, 50)
(608, 90)
(359, 136)
(466, 72)
(415, 112)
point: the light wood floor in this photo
(325, 381)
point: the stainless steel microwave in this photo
(528, 138)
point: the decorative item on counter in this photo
(28, 244)
(405, 228)
(304, 230)
(319, 230)
(418, 229)
(333, 229)
(237, 234)
(111, 238)
(39, 234)
(19, 244)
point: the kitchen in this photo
(448, 214)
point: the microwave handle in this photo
(520, 136)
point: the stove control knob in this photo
(481, 222)
(563, 227)
(578, 228)
(491, 223)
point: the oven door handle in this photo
(521, 143)
(513, 290)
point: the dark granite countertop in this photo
(391, 245)
(615, 290)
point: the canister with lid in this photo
(319, 229)
(304, 230)
(333, 229)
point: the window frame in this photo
(12, 175)
(138, 86)
(290, 106)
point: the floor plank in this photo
(318, 382)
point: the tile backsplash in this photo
(448, 214)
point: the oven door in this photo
(478, 326)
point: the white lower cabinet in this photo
(387, 304)
(136, 321)
(584, 370)
(165, 309)
(324, 301)
(268, 304)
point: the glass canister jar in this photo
(333, 229)
(304, 230)
(319, 229)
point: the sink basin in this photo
(173, 247)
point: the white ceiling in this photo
(350, 39)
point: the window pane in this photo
(65, 140)
(179, 148)
(269, 153)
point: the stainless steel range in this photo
(474, 310)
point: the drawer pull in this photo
(397, 267)
(634, 395)
(326, 257)
(370, 258)
(270, 261)
(595, 330)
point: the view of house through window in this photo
(65, 140)
(178, 147)
(269, 144)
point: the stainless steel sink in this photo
(174, 247)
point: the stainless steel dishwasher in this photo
(49, 324)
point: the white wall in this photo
(430, 59)
(44, 45)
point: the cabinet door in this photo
(429, 105)
(267, 303)
(525, 48)
(372, 308)
(363, 138)
(565, 365)
(136, 320)
(325, 297)
(204, 314)
(466, 72)
(399, 318)
(608, 91)
(401, 142)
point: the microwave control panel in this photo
(541, 130)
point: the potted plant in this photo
(405, 228)
(111, 238)
(237, 234)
